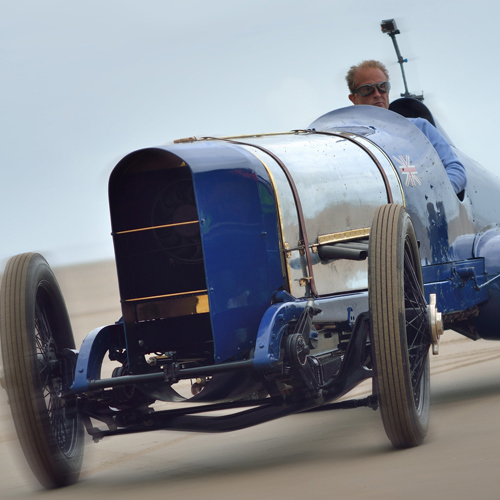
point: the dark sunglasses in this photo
(364, 90)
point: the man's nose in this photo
(376, 91)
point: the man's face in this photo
(376, 98)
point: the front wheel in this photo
(400, 327)
(39, 359)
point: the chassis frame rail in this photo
(186, 420)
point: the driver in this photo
(369, 84)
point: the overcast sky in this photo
(85, 82)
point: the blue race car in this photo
(276, 272)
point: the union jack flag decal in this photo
(408, 169)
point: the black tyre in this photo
(39, 365)
(400, 328)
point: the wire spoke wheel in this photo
(39, 361)
(400, 327)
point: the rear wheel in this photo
(39, 360)
(400, 327)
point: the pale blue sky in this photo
(84, 83)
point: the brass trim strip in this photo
(246, 136)
(283, 244)
(157, 227)
(180, 294)
(343, 236)
(400, 184)
(249, 136)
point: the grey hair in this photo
(365, 64)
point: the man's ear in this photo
(352, 98)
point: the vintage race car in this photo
(276, 272)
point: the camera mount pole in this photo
(389, 26)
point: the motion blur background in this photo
(84, 83)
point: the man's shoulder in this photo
(427, 128)
(421, 123)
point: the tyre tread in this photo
(386, 271)
(17, 299)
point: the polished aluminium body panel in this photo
(340, 187)
(444, 224)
